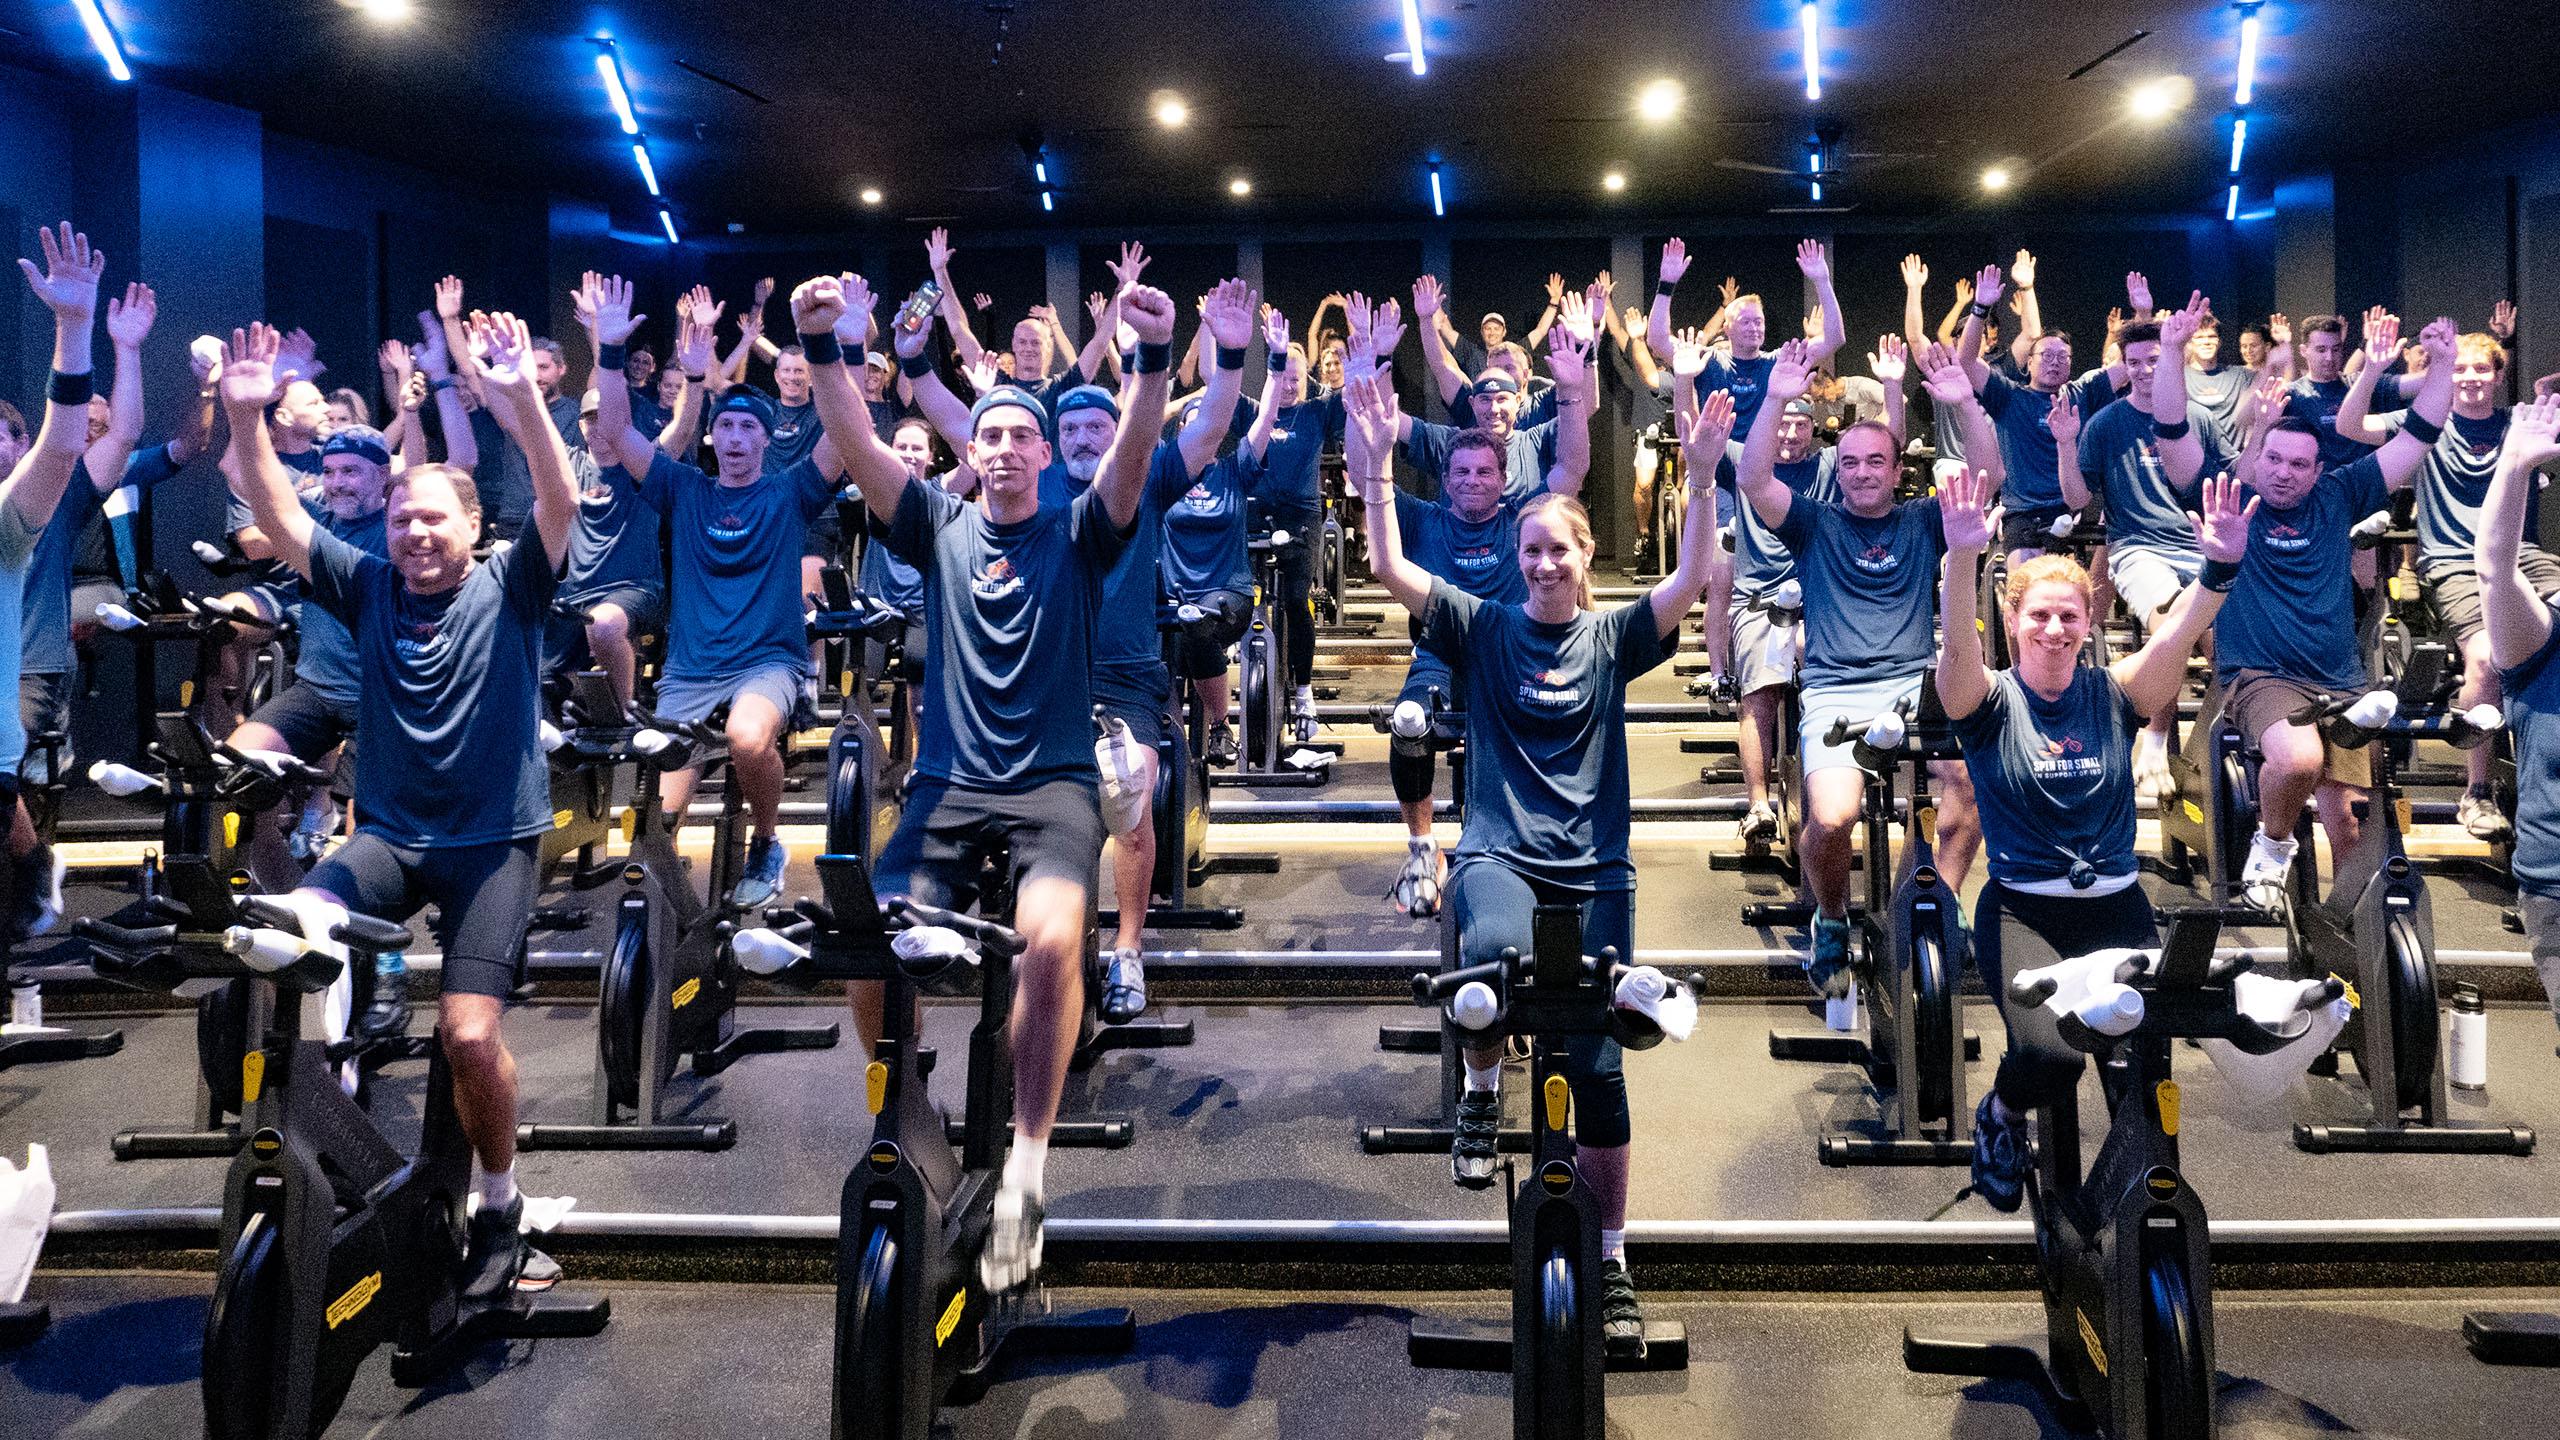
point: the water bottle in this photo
(26, 1006)
(1475, 1006)
(2467, 1060)
(1843, 1014)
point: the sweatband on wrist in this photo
(1230, 357)
(696, 376)
(69, 389)
(1666, 288)
(2168, 431)
(821, 347)
(914, 367)
(855, 355)
(446, 383)
(2427, 431)
(1977, 310)
(1154, 357)
(2219, 576)
(610, 356)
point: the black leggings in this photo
(2013, 932)
(1493, 907)
(1297, 581)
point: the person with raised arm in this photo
(1745, 373)
(1285, 446)
(2031, 492)
(1544, 677)
(2518, 618)
(457, 792)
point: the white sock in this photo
(1487, 1079)
(1026, 1168)
(1613, 1245)
(497, 1188)
(1304, 694)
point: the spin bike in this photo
(1907, 958)
(1181, 802)
(865, 764)
(915, 1211)
(333, 1241)
(1784, 605)
(1552, 1345)
(2376, 927)
(2123, 1250)
(669, 988)
(1263, 730)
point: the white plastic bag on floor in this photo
(2261, 1080)
(26, 1212)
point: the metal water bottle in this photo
(2467, 1057)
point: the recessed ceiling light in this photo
(870, 195)
(1996, 178)
(1170, 110)
(2153, 101)
(387, 12)
(1613, 182)
(1659, 101)
(1239, 187)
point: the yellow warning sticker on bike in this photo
(685, 993)
(359, 1295)
(230, 829)
(2195, 812)
(2167, 1090)
(186, 694)
(560, 818)
(2089, 1340)
(2354, 1001)
(253, 1076)
(875, 1084)
(950, 1320)
(1557, 1094)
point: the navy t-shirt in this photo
(1546, 730)
(1289, 479)
(2222, 391)
(1746, 380)
(1481, 557)
(44, 619)
(1125, 638)
(615, 542)
(450, 712)
(2533, 715)
(2021, 417)
(2453, 483)
(1870, 589)
(1761, 561)
(795, 433)
(1009, 629)
(504, 476)
(2316, 403)
(2053, 778)
(2293, 611)
(2120, 459)
(328, 660)
(1204, 532)
(1527, 455)
(237, 516)
(735, 601)
(885, 577)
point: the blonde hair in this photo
(2046, 570)
(1577, 524)
(2480, 344)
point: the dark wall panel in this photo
(1297, 277)
(321, 280)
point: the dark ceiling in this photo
(775, 115)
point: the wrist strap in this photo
(696, 376)
(2167, 431)
(2219, 576)
(2427, 431)
(1231, 357)
(821, 347)
(446, 383)
(70, 389)
(914, 367)
(610, 356)
(1666, 288)
(1977, 310)
(1154, 357)
(856, 355)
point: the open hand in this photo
(2222, 530)
(68, 283)
(129, 320)
(1965, 515)
(249, 368)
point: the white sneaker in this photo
(2262, 877)
(1012, 1254)
(2151, 778)
(2480, 818)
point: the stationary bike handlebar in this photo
(986, 934)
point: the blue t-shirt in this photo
(2316, 402)
(44, 619)
(2120, 459)
(1125, 638)
(888, 579)
(450, 713)
(17, 551)
(1746, 380)
(504, 476)
(2222, 391)
(328, 660)
(1205, 531)
(2021, 417)
(735, 602)
(237, 516)
(1481, 557)
(1870, 589)
(2053, 778)
(1761, 561)
(1290, 477)
(1009, 618)
(795, 433)
(1546, 730)
(2293, 611)
(1527, 455)
(2453, 483)
(615, 542)
(2533, 715)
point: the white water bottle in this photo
(1842, 1014)
(1475, 1006)
(2467, 1056)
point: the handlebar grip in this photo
(260, 911)
(2032, 992)
(1429, 988)
(121, 780)
(116, 937)
(116, 617)
(364, 932)
(208, 552)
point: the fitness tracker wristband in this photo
(69, 389)
(610, 356)
(1666, 289)
(821, 347)
(2427, 431)
(445, 383)
(1977, 310)
(2167, 431)
(1154, 357)
(2219, 576)
(1230, 357)
(914, 367)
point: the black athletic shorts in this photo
(1138, 697)
(311, 723)
(1055, 831)
(483, 896)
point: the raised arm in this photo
(2401, 455)
(1952, 393)
(1632, 337)
(1657, 328)
(1569, 356)
(2062, 421)
(1966, 517)
(2022, 281)
(435, 365)
(502, 355)
(603, 305)
(1757, 476)
(1702, 554)
(2519, 623)
(1816, 266)
(1368, 454)
(1275, 371)
(819, 308)
(2181, 447)
(1099, 353)
(128, 325)
(954, 310)
(1889, 362)
(2355, 413)
(1954, 321)
(1430, 308)
(1122, 481)
(1915, 320)
(695, 354)
(1546, 317)
(932, 398)
(2153, 676)
(1226, 318)
(67, 286)
(258, 478)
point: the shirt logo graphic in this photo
(1878, 560)
(998, 580)
(729, 525)
(2281, 536)
(1550, 688)
(416, 639)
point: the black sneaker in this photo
(497, 1253)
(1999, 1159)
(1471, 1156)
(389, 1012)
(1222, 746)
(1621, 1315)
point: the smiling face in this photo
(639, 367)
(791, 377)
(2253, 348)
(1084, 437)
(2288, 466)
(1008, 452)
(1329, 370)
(351, 485)
(1867, 469)
(2141, 362)
(2478, 360)
(2050, 621)
(1498, 410)
(739, 440)
(1030, 351)
(2205, 350)
(2323, 353)
(1290, 377)
(1750, 327)
(1795, 436)
(1554, 561)
(671, 388)
(1474, 481)
(430, 528)
(913, 445)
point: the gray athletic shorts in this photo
(689, 699)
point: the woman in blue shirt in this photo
(2049, 745)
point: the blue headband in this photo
(1496, 385)
(1088, 397)
(362, 441)
(745, 400)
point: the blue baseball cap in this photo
(1004, 395)
(362, 441)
